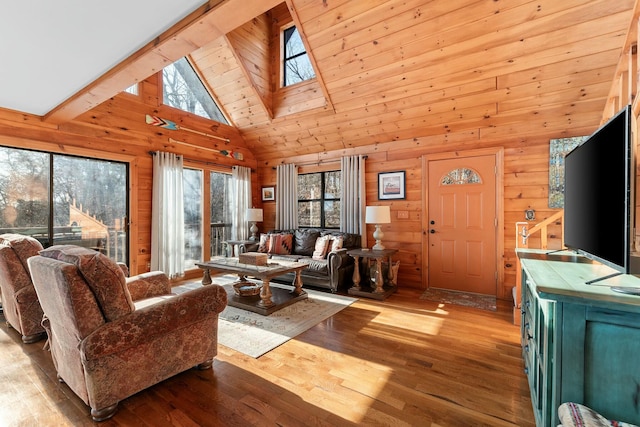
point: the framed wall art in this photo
(268, 193)
(391, 185)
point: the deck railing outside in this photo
(219, 233)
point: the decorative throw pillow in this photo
(336, 243)
(322, 245)
(280, 244)
(304, 241)
(263, 246)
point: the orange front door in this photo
(462, 224)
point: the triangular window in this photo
(297, 65)
(183, 89)
(133, 89)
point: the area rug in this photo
(483, 302)
(254, 334)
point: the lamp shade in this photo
(254, 215)
(378, 215)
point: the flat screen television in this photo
(599, 194)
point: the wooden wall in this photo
(526, 182)
(117, 130)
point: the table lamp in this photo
(254, 215)
(378, 215)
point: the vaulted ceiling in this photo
(387, 70)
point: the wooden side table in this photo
(379, 290)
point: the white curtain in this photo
(353, 197)
(167, 215)
(240, 202)
(286, 197)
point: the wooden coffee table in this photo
(269, 300)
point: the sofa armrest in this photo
(338, 258)
(335, 261)
(150, 323)
(147, 285)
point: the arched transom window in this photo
(461, 176)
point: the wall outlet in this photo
(403, 214)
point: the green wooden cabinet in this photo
(538, 350)
(580, 342)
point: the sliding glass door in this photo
(24, 193)
(61, 199)
(220, 215)
(193, 236)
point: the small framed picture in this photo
(391, 185)
(268, 193)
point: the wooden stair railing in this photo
(524, 233)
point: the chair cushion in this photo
(316, 267)
(24, 246)
(103, 276)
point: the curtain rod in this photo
(319, 162)
(206, 162)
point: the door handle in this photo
(432, 231)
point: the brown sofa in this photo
(333, 271)
(111, 337)
(19, 299)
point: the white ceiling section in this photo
(51, 49)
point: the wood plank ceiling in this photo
(396, 70)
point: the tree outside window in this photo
(220, 217)
(297, 66)
(62, 199)
(192, 194)
(319, 199)
(183, 89)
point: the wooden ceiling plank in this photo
(250, 43)
(549, 98)
(309, 9)
(479, 20)
(392, 26)
(476, 54)
(361, 136)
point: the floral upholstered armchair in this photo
(111, 337)
(19, 299)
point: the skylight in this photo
(183, 89)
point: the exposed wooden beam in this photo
(207, 23)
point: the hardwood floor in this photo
(401, 362)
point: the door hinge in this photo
(495, 222)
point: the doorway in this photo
(462, 223)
